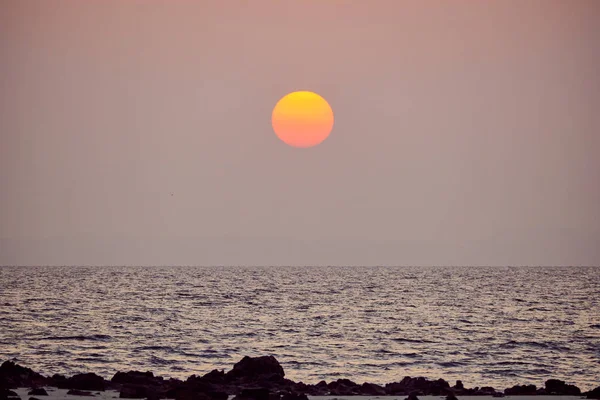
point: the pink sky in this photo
(138, 132)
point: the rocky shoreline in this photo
(253, 378)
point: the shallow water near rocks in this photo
(485, 326)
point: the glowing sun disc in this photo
(302, 119)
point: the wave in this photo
(407, 340)
(94, 338)
(511, 344)
(143, 348)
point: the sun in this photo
(302, 119)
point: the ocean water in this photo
(485, 326)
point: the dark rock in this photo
(254, 394)
(13, 375)
(521, 390)
(593, 394)
(186, 394)
(136, 378)
(6, 394)
(76, 392)
(217, 395)
(320, 389)
(38, 392)
(198, 384)
(88, 381)
(294, 396)
(371, 389)
(412, 396)
(459, 385)
(486, 391)
(59, 381)
(133, 391)
(419, 386)
(190, 395)
(343, 387)
(555, 386)
(253, 367)
(395, 388)
(451, 396)
(214, 376)
(302, 388)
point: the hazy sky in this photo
(138, 132)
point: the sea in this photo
(487, 326)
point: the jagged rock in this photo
(593, 394)
(343, 387)
(558, 387)
(38, 392)
(136, 378)
(13, 375)
(87, 381)
(214, 376)
(486, 391)
(186, 394)
(200, 385)
(371, 389)
(254, 394)
(6, 394)
(395, 388)
(294, 396)
(451, 396)
(521, 390)
(59, 381)
(76, 392)
(133, 391)
(419, 386)
(217, 395)
(253, 367)
(412, 396)
(459, 385)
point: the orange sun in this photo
(302, 119)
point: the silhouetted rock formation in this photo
(38, 392)
(136, 378)
(371, 389)
(76, 392)
(253, 378)
(6, 394)
(87, 381)
(555, 386)
(294, 396)
(420, 386)
(256, 367)
(594, 393)
(14, 376)
(343, 387)
(253, 394)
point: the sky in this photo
(138, 132)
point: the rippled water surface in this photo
(486, 326)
